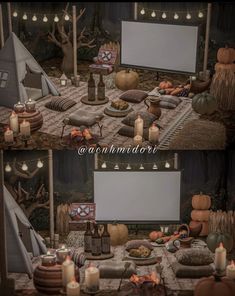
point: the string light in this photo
(155, 166)
(15, 14)
(25, 17)
(153, 14)
(8, 168)
(24, 166)
(176, 16)
(188, 16)
(34, 18)
(200, 14)
(39, 164)
(116, 167)
(142, 11)
(164, 15)
(104, 166)
(128, 167)
(141, 167)
(56, 19)
(66, 17)
(45, 19)
(167, 165)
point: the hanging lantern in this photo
(45, 19)
(167, 165)
(164, 15)
(66, 17)
(141, 167)
(116, 167)
(153, 14)
(200, 14)
(15, 14)
(188, 16)
(128, 167)
(39, 164)
(176, 16)
(30, 105)
(155, 166)
(34, 18)
(25, 17)
(63, 80)
(104, 166)
(24, 166)
(142, 11)
(8, 168)
(19, 107)
(56, 19)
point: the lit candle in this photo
(220, 258)
(139, 126)
(62, 254)
(14, 123)
(92, 277)
(30, 105)
(48, 259)
(230, 271)
(138, 140)
(153, 134)
(25, 129)
(8, 136)
(73, 288)
(68, 271)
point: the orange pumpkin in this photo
(219, 66)
(226, 55)
(165, 84)
(212, 286)
(176, 91)
(200, 215)
(205, 227)
(201, 202)
(154, 235)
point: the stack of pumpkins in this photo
(201, 204)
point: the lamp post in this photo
(51, 195)
(1, 28)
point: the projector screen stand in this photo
(136, 229)
(157, 76)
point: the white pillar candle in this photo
(139, 126)
(8, 136)
(73, 288)
(25, 129)
(153, 134)
(14, 123)
(92, 278)
(138, 140)
(220, 258)
(230, 271)
(68, 271)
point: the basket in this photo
(199, 86)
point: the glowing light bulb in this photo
(188, 16)
(142, 11)
(116, 167)
(176, 16)
(24, 166)
(153, 14)
(66, 17)
(104, 166)
(56, 19)
(25, 17)
(15, 14)
(155, 166)
(45, 19)
(8, 168)
(167, 165)
(141, 167)
(164, 15)
(128, 167)
(34, 18)
(39, 164)
(200, 14)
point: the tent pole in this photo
(9, 17)
(51, 195)
(135, 11)
(1, 28)
(96, 166)
(74, 44)
(7, 286)
(208, 21)
(176, 163)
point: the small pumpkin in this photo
(204, 103)
(165, 84)
(118, 234)
(215, 238)
(154, 235)
(200, 215)
(202, 227)
(226, 55)
(201, 202)
(126, 79)
(221, 67)
(176, 91)
(212, 286)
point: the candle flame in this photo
(232, 263)
(13, 113)
(73, 280)
(68, 258)
(48, 253)
(63, 247)
(221, 245)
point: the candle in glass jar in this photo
(19, 107)
(73, 288)
(139, 126)
(8, 136)
(92, 278)
(30, 105)
(62, 254)
(138, 140)
(230, 270)
(48, 259)
(68, 271)
(220, 258)
(25, 129)
(153, 134)
(14, 123)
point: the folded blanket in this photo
(114, 270)
(186, 271)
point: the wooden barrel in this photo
(48, 279)
(35, 119)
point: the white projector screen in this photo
(137, 196)
(159, 46)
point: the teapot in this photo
(153, 106)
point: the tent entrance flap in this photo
(33, 84)
(24, 233)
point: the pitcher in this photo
(153, 106)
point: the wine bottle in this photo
(88, 238)
(101, 89)
(91, 88)
(96, 242)
(105, 240)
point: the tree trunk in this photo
(67, 63)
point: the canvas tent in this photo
(21, 238)
(21, 77)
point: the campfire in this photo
(151, 279)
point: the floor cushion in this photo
(82, 117)
(115, 269)
(134, 96)
(147, 117)
(184, 271)
(60, 104)
(128, 131)
(135, 244)
(194, 256)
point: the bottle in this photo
(91, 88)
(101, 89)
(105, 240)
(88, 238)
(96, 242)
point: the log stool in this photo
(34, 118)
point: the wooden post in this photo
(96, 161)
(9, 17)
(6, 284)
(176, 164)
(74, 43)
(208, 21)
(51, 196)
(135, 11)
(1, 28)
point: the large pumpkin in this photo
(193, 225)
(215, 238)
(118, 234)
(226, 55)
(200, 215)
(204, 103)
(127, 79)
(221, 67)
(201, 202)
(212, 286)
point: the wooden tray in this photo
(85, 100)
(141, 262)
(117, 113)
(89, 256)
